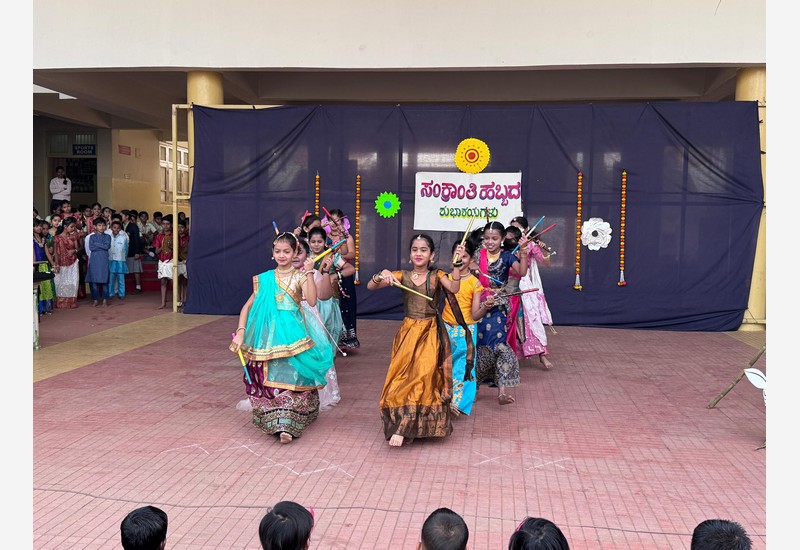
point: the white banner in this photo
(446, 201)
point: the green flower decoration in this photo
(387, 204)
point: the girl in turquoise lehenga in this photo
(286, 357)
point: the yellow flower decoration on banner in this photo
(387, 204)
(472, 156)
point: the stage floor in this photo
(137, 406)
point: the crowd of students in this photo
(288, 526)
(97, 245)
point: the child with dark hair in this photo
(331, 322)
(66, 245)
(338, 226)
(273, 330)
(162, 246)
(117, 261)
(720, 534)
(463, 335)
(97, 269)
(183, 255)
(42, 255)
(307, 224)
(286, 526)
(538, 534)
(415, 401)
(535, 312)
(444, 530)
(144, 529)
(496, 359)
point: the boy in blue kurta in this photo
(97, 270)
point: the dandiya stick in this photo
(398, 285)
(244, 363)
(490, 277)
(275, 225)
(545, 230)
(331, 249)
(535, 225)
(528, 233)
(518, 293)
(463, 240)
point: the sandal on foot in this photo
(504, 399)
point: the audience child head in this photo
(444, 530)
(144, 529)
(538, 534)
(286, 526)
(720, 534)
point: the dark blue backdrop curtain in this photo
(694, 198)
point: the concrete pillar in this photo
(751, 85)
(202, 88)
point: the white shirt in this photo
(61, 188)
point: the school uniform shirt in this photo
(61, 189)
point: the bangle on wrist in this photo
(240, 328)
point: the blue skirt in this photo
(463, 390)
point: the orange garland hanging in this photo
(316, 195)
(622, 205)
(358, 224)
(578, 223)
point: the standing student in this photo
(463, 333)
(66, 245)
(60, 188)
(162, 245)
(285, 365)
(536, 313)
(135, 246)
(97, 268)
(117, 261)
(183, 254)
(338, 230)
(330, 322)
(42, 254)
(144, 528)
(496, 359)
(516, 327)
(415, 401)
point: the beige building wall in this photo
(414, 34)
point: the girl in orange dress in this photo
(415, 401)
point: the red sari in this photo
(65, 248)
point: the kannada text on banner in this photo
(444, 200)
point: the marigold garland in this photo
(358, 225)
(577, 285)
(316, 195)
(622, 205)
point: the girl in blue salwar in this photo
(286, 361)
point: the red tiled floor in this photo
(615, 445)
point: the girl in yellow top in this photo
(463, 339)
